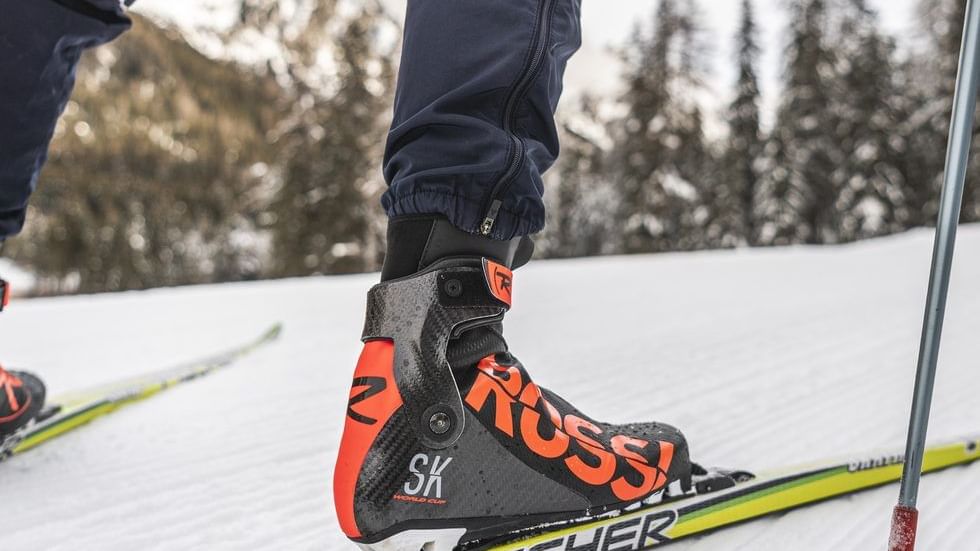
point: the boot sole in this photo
(418, 540)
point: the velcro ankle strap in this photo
(420, 314)
(491, 286)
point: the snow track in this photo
(763, 357)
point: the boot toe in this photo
(661, 433)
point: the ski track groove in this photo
(766, 358)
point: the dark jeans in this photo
(40, 43)
(473, 126)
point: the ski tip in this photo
(273, 332)
(904, 522)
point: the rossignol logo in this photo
(626, 535)
(518, 407)
(371, 386)
(500, 280)
(425, 481)
(503, 282)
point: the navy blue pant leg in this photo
(473, 126)
(40, 43)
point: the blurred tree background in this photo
(174, 165)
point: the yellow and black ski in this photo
(72, 410)
(656, 525)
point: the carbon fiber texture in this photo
(484, 481)
(411, 312)
(477, 472)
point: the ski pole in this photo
(905, 516)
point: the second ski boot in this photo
(448, 443)
(21, 400)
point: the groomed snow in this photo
(763, 357)
(21, 281)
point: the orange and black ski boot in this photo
(21, 394)
(448, 443)
(21, 400)
(4, 293)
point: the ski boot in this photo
(448, 443)
(21, 394)
(21, 400)
(4, 293)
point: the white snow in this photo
(764, 358)
(21, 281)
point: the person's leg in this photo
(448, 442)
(473, 126)
(40, 41)
(40, 44)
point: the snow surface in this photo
(763, 357)
(21, 281)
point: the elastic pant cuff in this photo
(465, 213)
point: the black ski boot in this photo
(21, 400)
(448, 443)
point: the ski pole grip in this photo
(904, 522)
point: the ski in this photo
(71, 410)
(666, 522)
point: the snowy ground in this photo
(763, 357)
(21, 281)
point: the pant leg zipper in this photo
(539, 45)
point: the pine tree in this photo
(733, 196)
(933, 79)
(660, 153)
(796, 197)
(869, 182)
(153, 172)
(579, 193)
(323, 217)
(323, 212)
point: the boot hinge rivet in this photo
(439, 423)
